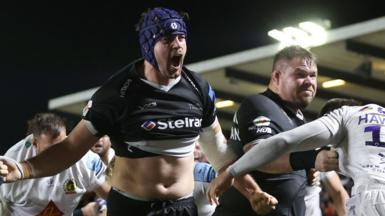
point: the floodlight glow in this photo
(280, 36)
(299, 36)
(308, 34)
(318, 33)
(223, 104)
(333, 83)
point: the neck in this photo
(154, 75)
(291, 106)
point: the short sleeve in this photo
(209, 111)
(93, 170)
(104, 109)
(255, 119)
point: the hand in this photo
(262, 202)
(91, 209)
(313, 177)
(218, 186)
(10, 170)
(327, 160)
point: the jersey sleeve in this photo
(203, 172)
(209, 111)
(104, 109)
(253, 120)
(93, 169)
(334, 122)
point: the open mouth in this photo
(176, 61)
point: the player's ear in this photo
(35, 141)
(275, 76)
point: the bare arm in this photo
(103, 190)
(337, 191)
(62, 155)
(220, 156)
(214, 146)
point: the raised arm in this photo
(309, 136)
(306, 137)
(53, 160)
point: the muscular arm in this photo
(62, 155)
(306, 137)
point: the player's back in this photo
(362, 153)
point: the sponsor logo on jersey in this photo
(172, 124)
(87, 108)
(263, 130)
(261, 121)
(148, 125)
(69, 186)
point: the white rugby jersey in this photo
(360, 140)
(54, 195)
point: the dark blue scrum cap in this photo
(157, 23)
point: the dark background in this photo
(48, 51)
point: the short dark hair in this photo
(291, 52)
(46, 123)
(336, 103)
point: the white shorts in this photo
(312, 201)
(368, 200)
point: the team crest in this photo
(28, 144)
(261, 121)
(70, 186)
(173, 25)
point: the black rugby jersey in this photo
(143, 120)
(259, 117)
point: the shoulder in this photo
(20, 148)
(256, 100)
(258, 104)
(118, 83)
(92, 162)
(196, 78)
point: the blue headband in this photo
(157, 23)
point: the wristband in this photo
(303, 160)
(26, 169)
